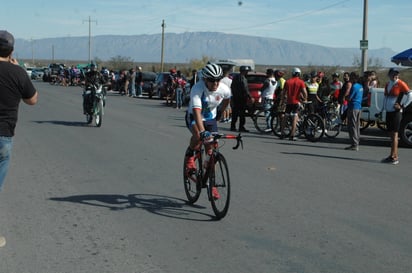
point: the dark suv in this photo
(52, 71)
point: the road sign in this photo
(363, 44)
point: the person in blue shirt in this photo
(354, 111)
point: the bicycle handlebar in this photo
(239, 141)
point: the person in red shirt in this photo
(294, 92)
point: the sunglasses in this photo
(213, 80)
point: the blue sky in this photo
(332, 23)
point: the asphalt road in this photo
(84, 199)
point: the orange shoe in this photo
(215, 193)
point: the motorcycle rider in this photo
(92, 78)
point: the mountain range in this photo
(184, 47)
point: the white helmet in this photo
(212, 71)
(296, 71)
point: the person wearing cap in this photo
(354, 111)
(139, 81)
(240, 96)
(268, 94)
(15, 86)
(395, 89)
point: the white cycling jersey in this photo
(207, 101)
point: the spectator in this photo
(240, 96)
(132, 82)
(395, 89)
(139, 81)
(15, 86)
(171, 87)
(268, 94)
(180, 87)
(227, 112)
(354, 111)
(344, 92)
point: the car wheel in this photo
(405, 131)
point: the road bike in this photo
(333, 124)
(210, 173)
(309, 124)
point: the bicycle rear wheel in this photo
(191, 180)
(219, 178)
(313, 127)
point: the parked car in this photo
(160, 84)
(148, 82)
(37, 73)
(52, 71)
(29, 71)
(255, 82)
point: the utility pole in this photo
(163, 43)
(52, 53)
(32, 51)
(364, 41)
(90, 36)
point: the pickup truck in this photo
(373, 114)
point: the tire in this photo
(99, 113)
(313, 127)
(381, 125)
(405, 131)
(365, 124)
(275, 125)
(259, 120)
(332, 125)
(219, 178)
(192, 188)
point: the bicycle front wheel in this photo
(332, 125)
(219, 179)
(313, 127)
(259, 120)
(190, 180)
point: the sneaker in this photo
(395, 161)
(352, 148)
(215, 193)
(3, 240)
(389, 159)
(268, 130)
(293, 138)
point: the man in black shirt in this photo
(15, 86)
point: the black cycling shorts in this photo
(393, 121)
(210, 125)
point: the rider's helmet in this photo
(173, 71)
(296, 71)
(212, 71)
(313, 74)
(93, 67)
(335, 75)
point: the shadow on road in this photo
(64, 123)
(157, 204)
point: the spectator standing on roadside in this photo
(294, 91)
(139, 81)
(395, 89)
(180, 87)
(279, 95)
(132, 82)
(335, 86)
(354, 111)
(227, 112)
(344, 92)
(268, 95)
(15, 86)
(240, 96)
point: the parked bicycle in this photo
(210, 172)
(333, 124)
(257, 114)
(310, 125)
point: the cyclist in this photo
(295, 91)
(201, 117)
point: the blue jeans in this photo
(179, 97)
(139, 89)
(6, 144)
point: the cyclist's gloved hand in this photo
(205, 136)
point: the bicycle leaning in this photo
(211, 172)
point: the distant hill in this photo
(182, 48)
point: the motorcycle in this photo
(94, 103)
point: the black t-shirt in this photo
(14, 86)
